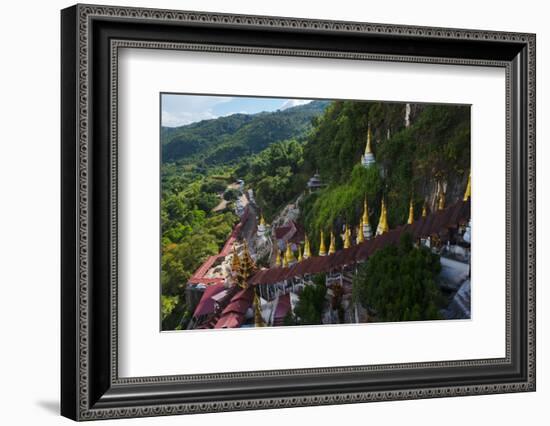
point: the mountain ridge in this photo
(226, 139)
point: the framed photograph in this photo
(263, 212)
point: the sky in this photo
(179, 110)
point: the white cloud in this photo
(294, 102)
(181, 118)
(179, 110)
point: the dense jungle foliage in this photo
(199, 162)
(399, 283)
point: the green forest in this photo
(199, 162)
(276, 153)
(399, 283)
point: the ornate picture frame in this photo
(91, 37)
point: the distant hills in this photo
(226, 139)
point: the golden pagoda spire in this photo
(262, 220)
(332, 247)
(322, 248)
(235, 262)
(368, 148)
(411, 213)
(307, 248)
(468, 192)
(424, 210)
(278, 261)
(246, 258)
(289, 256)
(258, 319)
(247, 267)
(300, 258)
(383, 222)
(441, 202)
(365, 218)
(360, 236)
(347, 238)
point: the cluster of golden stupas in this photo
(363, 231)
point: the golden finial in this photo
(258, 319)
(285, 261)
(246, 259)
(365, 217)
(278, 261)
(322, 248)
(424, 210)
(289, 256)
(441, 203)
(235, 262)
(360, 236)
(307, 248)
(411, 213)
(468, 192)
(300, 258)
(332, 247)
(247, 267)
(368, 148)
(262, 220)
(383, 222)
(347, 238)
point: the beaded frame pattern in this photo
(87, 12)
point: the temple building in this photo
(291, 233)
(368, 157)
(315, 183)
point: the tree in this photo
(175, 316)
(289, 319)
(230, 195)
(310, 306)
(399, 283)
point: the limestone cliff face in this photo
(291, 212)
(453, 188)
(263, 248)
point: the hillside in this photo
(411, 162)
(417, 151)
(226, 139)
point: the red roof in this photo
(291, 232)
(230, 321)
(240, 302)
(234, 313)
(206, 304)
(281, 231)
(436, 223)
